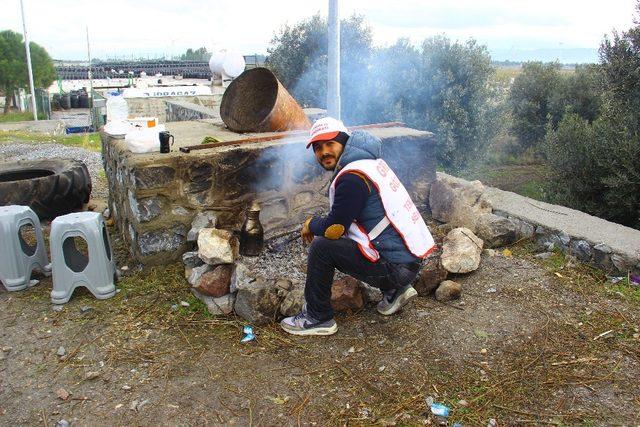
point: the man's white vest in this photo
(400, 211)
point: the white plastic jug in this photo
(117, 107)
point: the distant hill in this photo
(564, 56)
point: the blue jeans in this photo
(325, 256)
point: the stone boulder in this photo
(370, 294)
(293, 302)
(283, 286)
(191, 259)
(221, 306)
(461, 251)
(202, 220)
(431, 274)
(241, 276)
(196, 273)
(216, 282)
(458, 202)
(217, 246)
(448, 291)
(346, 295)
(257, 302)
(496, 230)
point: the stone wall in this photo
(182, 111)
(502, 217)
(156, 107)
(154, 197)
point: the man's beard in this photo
(327, 167)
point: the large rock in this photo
(431, 274)
(346, 295)
(370, 294)
(241, 276)
(191, 259)
(257, 302)
(458, 202)
(284, 286)
(461, 251)
(221, 306)
(293, 302)
(197, 272)
(217, 246)
(215, 283)
(159, 241)
(496, 230)
(145, 210)
(448, 291)
(207, 219)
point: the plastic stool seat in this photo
(18, 259)
(71, 268)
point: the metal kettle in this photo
(252, 233)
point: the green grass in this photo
(88, 141)
(525, 179)
(624, 288)
(17, 117)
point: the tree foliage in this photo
(530, 101)
(13, 65)
(199, 54)
(442, 86)
(542, 95)
(455, 99)
(299, 54)
(594, 164)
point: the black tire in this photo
(49, 187)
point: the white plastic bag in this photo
(144, 140)
(118, 128)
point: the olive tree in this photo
(13, 65)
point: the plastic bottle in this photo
(117, 107)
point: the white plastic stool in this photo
(17, 257)
(71, 268)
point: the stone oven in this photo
(154, 197)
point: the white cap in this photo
(326, 129)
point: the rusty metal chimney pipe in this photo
(257, 102)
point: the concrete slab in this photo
(51, 127)
(577, 224)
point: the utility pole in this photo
(90, 73)
(26, 46)
(333, 66)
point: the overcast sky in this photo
(120, 28)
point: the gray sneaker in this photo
(394, 300)
(303, 324)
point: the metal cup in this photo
(164, 141)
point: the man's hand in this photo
(307, 235)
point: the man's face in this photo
(327, 153)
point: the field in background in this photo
(88, 141)
(14, 116)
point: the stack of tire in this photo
(73, 99)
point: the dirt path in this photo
(521, 346)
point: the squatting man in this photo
(373, 231)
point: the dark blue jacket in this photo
(360, 146)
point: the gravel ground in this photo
(93, 160)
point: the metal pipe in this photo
(333, 65)
(279, 136)
(26, 46)
(90, 75)
(257, 102)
